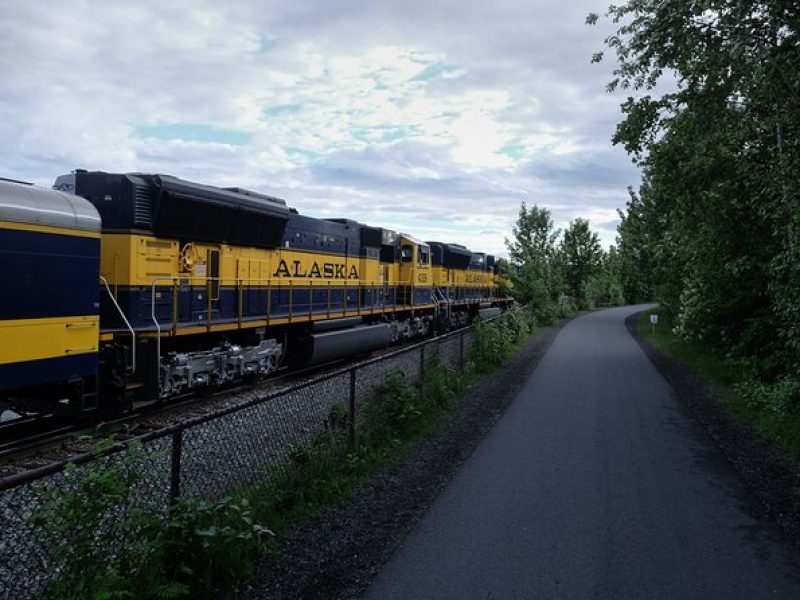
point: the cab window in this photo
(424, 255)
(407, 253)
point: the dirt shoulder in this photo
(771, 474)
(337, 554)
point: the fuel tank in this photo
(318, 348)
(490, 313)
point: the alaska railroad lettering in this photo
(328, 271)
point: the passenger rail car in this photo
(49, 312)
(189, 286)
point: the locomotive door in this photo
(213, 274)
(451, 284)
(408, 257)
(384, 279)
(213, 289)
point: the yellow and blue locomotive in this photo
(137, 286)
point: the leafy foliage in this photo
(107, 547)
(556, 274)
(713, 233)
(583, 259)
(497, 340)
(772, 409)
(533, 268)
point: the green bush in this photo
(441, 385)
(393, 410)
(328, 470)
(107, 547)
(780, 399)
(497, 340)
(520, 323)
(74, 522)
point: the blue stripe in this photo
(49, 370)
(47, 275)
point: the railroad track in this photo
(19, 445)
(28, 436)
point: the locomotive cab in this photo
(415, 261)
(415, 271)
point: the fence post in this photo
(351, 411)
(422, 371)
(461, 351)
(175, 472)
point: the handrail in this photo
(173, 281)
(404, 302)
(268, 281)
(127, 324)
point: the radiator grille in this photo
(143, 207)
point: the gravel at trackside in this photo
(337, 554)
(771, 474)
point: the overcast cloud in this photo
(435, 118)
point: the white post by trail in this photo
(653, 323)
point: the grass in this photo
(713, 367)
(771, 409)
(327, 472)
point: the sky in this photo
(429, 117)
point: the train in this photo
(126, 288)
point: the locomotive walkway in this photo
(596, 483)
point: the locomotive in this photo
(121, 288)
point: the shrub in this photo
(107, 547)
(496, 340)
(779, 399)
(391, 411)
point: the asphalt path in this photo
(596, 483)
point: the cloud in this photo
(437, 117)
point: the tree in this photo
(636, 259)
(582, 259)
(605, 287)
(532, 270)
(716, 220)
(534, 236)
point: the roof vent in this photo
(143, 206)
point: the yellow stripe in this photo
(35, 339)
(49, 229)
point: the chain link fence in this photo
(210, 456)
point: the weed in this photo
(106, 546)
(496, 341)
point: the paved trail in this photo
(596, 483)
